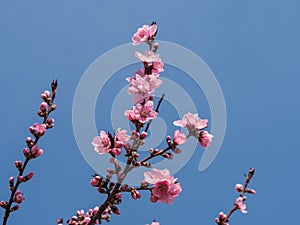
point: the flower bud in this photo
(18, 164)
(169, 141)
(135, 194)
(121, 175)
(96, 181)
(153, 151)
(20, 179)
(3, 204)
(143, 135)
(11, 183)
(116, 210)
(29, 142)
(153, 199)
(46, 95)
(118, 195)
(146, 164)
(222, 216)
(205, 138)
(37, 130)
(251, 191)
(26, 152)
(50, 122)
(18, 198)
(60, 221)
(117, 151)
(168, 155)
(137, 164)
(124, 187)
(15, 208)
(28, 177)
(239, 187)
(36, 151)
(177, 150)
(43, 106)
(52, 108)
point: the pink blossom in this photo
(121, 137)
(120, 140)
(239, 187)
(240, 203)
(165, 187)
(101, 143)
(157, 66)
(192, 122)
(205, 139)
(140, 72)
(148, 57)
(179, 138)
(36, 151)
(144, 33)
(18, 198)
(156, 175)
(141, 112)
(131, 115)
(166, 190)
(141, 87)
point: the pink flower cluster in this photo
(239, 203)
(222, 219)
(103, 143)
(37, 130)
(165, 187)
(81, 217)
(191, 122)
(194, 124)
(141, 112)
(142, 86)
(30, 152)
(144, 82)
(144, 33)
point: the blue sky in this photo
(251, 46)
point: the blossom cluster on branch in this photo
(163, 187)
(239, 203)
(160, 184)
(31, 152)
